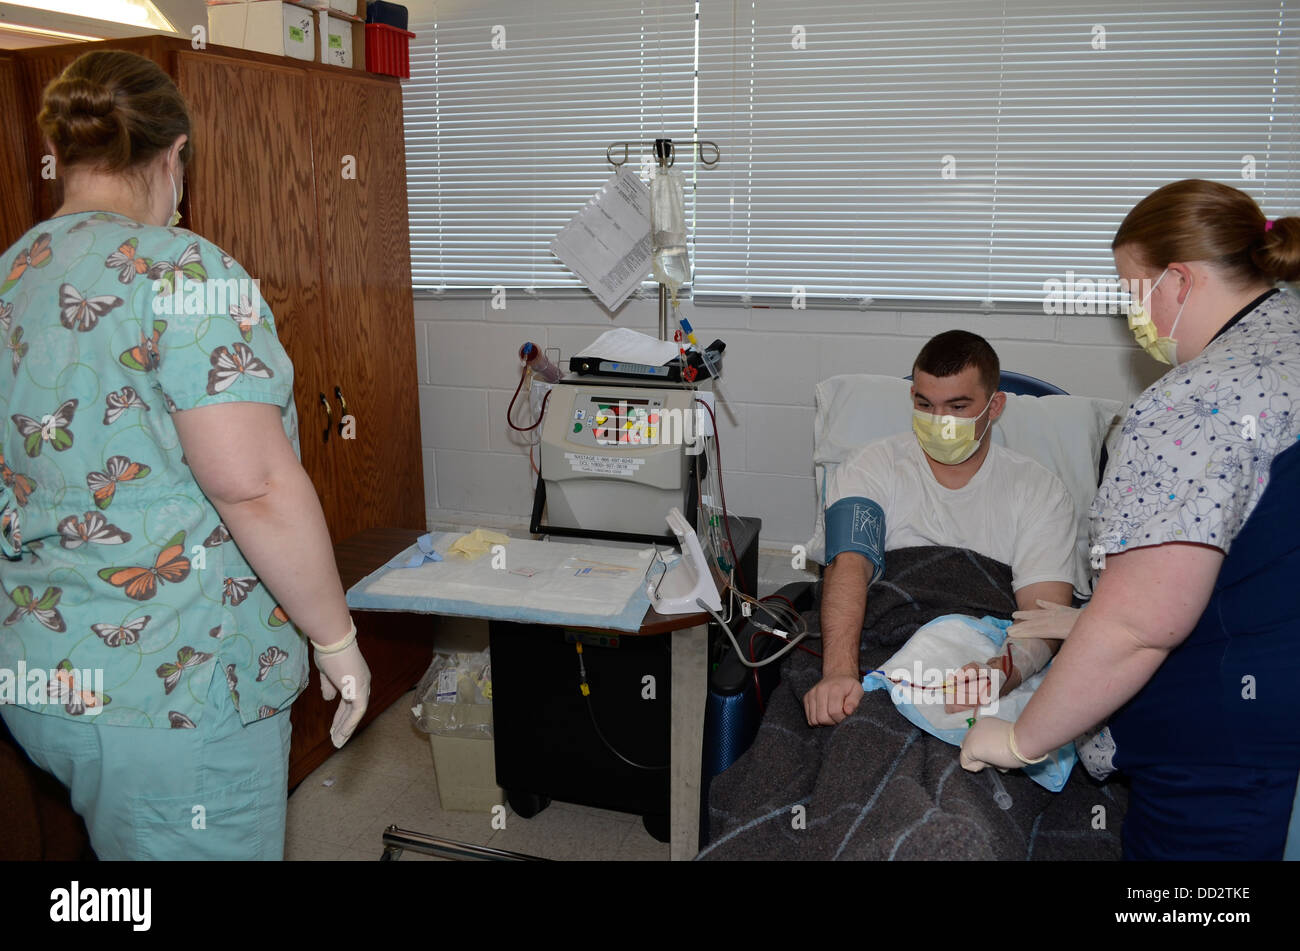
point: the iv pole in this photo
(664, 156)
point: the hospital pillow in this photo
(1064, 433)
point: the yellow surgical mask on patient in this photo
(948, 439)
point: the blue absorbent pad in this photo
(534, 582)
(935, 653)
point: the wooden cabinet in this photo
(15, 187)
(331, 244)
(299, 173)
(359, 152)
(252, 151)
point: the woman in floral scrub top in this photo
(157, 527)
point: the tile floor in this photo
(384, 775)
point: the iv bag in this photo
(671, 264)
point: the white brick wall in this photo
(477, 473)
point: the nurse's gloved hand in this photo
(988, 743)
(344, 674)
(1054, 621)
(992, 742)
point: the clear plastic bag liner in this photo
(454, 697)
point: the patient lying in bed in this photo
(944, 483)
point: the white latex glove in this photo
(987, 743)
(1052, 620)
(344, 673)
(990, 743)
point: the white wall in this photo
(468, 365)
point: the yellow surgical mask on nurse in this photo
(175, 170)
(949, 439)
(1164, 349)
(178, 192)
(176, 200)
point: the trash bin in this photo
(454, 707)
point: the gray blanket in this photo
(876, 787)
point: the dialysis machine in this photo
(616, 457)
(621, 448)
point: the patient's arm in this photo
(1039, 651)
(844, 605)
(1058, 592)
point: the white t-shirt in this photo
(1013, 509)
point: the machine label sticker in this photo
(603, 465)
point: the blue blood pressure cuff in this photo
(857, 524)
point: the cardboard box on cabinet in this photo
(265, 26)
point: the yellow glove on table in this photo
(477, 543)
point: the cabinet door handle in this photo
(329, 417)
(343, 405)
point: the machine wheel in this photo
(526, 804)
(656, 826)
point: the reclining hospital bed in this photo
(1067, 434)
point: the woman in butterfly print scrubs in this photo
(1189, 650)
(155, 522)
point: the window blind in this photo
(509, 111)
(963, 155)
(931, 151)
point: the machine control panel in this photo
(608, 420)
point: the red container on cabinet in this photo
(388, 50)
